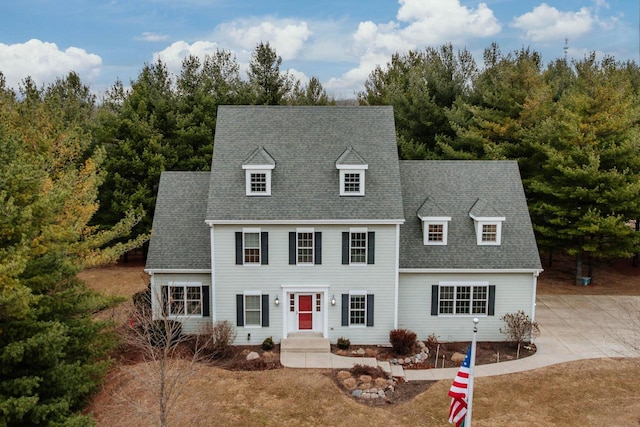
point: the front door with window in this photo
(305, 312)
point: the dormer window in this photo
(487, 223)
(352, 169)
(258, 167)
(435, 225)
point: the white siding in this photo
(377, 279)
(514, 291)
(190, 324)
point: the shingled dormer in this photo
(435, 223)
(352, 173)
(258, 167)
(487, 223)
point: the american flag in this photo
(458, 393)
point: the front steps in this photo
(305, 343)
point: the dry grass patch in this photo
(586, 393)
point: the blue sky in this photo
(338, 41)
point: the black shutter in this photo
(206, 302)
(239, 248)
(265, 310)
(345, 309)
(434, 300)
(292, 248)
(345, 248)
(264, 248)
(317, 248)
(492, 300)
(240, 310)
(371, 249)
(370, 310)
(165, 300)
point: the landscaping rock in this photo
(360, 352)
(349, 383)
(253, 356)
(457, 357)
(342, 375)
(356, 393)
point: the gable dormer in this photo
(352, 169)
(258, 167)
(435, 223)
(487, 223)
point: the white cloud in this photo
(152, 37)
(44, 62)
(546, 23)
(287, 37)
(173, 54)
(437, 21)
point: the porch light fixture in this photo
(277, 300)
(333, 300)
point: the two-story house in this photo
(308, 222)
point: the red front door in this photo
(305, 312)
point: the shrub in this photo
(403, 341)
(519, 327)
(142, 300)
(267, 344)
(343, 343)
(373, 372)
(219, 338)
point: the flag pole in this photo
(472, 364)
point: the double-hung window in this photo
(253, 310)
(304, 247)
(358, 247)
(357, 310)
(251, 249)
(463, 299)
(184, 299)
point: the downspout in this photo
(397, 279)
(533, 301)
(213, 276)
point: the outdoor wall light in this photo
(333, 300)
(277, 300)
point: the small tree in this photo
(169, 356)
(518, 328)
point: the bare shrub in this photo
(403, 341)
(373, 372)
(217, 339)
(519, 328)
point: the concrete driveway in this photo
(572, 327)
(587, 326)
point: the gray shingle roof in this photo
(350, 157)
(180, 238)
(259, 157)
(305, 142)
(456, 186)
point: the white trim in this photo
(487, 218)
(479, 233)
(472, 284)
(360, 230)
(316, 289)
(361, 182)
(313, 246)
(267, 173)
(434, 218)
(258, 167)
(425, 232)
(251, 230)
(152, 271)
(366, 302)
(534, 284)
(469, 270)
(244, 308)
(184, 285)
(352, 167)
(211, 222)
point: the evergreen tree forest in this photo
(79, 176)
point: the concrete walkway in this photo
(572, 327)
